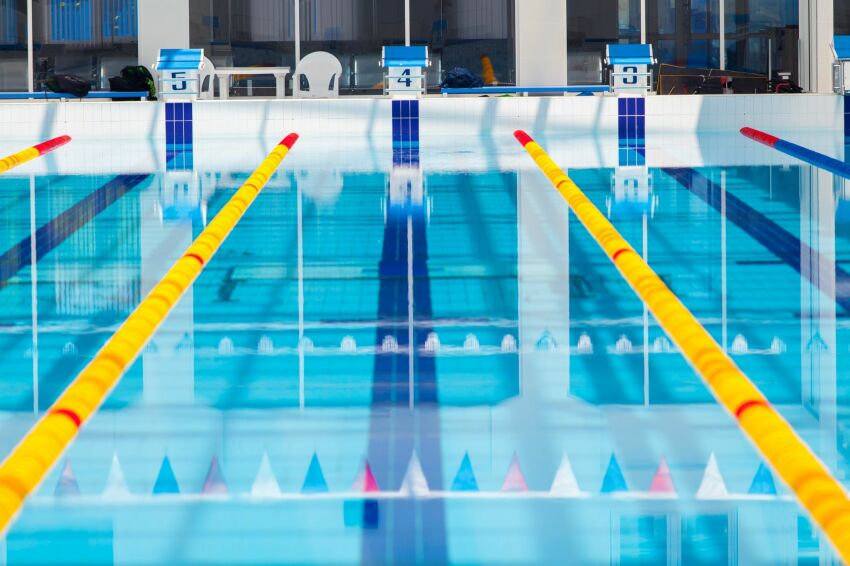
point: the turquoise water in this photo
(544, 431)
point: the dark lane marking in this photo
(768, 233)
(65, 225)
(408, 530)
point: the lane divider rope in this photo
(815, 487)
(35, 455)
(810, 156)
(31, 153)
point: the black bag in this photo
(134, 78)
(460, 77)
(68, 84)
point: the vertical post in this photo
(300, 197)
(645, 231)
(816, 31)
(407, 22)
(34, 294)
(411, 339)
(157, 31)
(721, 14)
(297, 17)
(724, 338)
(541, 42)
(30, 55)
(643, 20)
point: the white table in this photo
(227, 73)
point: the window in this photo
(591, 26)
(245, 33)
(643, 540)
(842, 17)
(354, 32)
(462, 33)
(93, 39)
(705, 540)
(13, 45)
(761, 35)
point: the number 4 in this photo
(407, 81)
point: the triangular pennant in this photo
(465, 477)
(565, 482)
(365, 480)
(712, 485)
(265, 485)
(414, 481)
(116, 485)
(214, 482)
(165, 480)
(613, 480)
(662, 482)
(67, 484)
(514, 480)
(763, 483)
(314, 482)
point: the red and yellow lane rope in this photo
(31, 153)
(32, 459)
(816, 488)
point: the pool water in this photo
(422, 360)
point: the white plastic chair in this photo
(323, 71)
(207, 71)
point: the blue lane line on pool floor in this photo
(768, 233)
(65, 225)
(404, 531)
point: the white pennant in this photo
(116, 485)
(265, 485)
(712, 485)
(565, 482)
(414, 482)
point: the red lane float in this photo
(31, 153)
(810, 156)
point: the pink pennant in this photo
(514, 479)
(662, 482)
(214, 482)
(366, 480)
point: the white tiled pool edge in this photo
(440, 116)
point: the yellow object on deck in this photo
(487, 72)
(815, 487)
(39, 450)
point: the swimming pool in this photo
(281, 416)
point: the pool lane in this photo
(65, 225)
(768, 233)
(404, 420)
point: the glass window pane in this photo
(354, 32)
(13, 45)
(593, 24)
(643, 540)
(842, 17)
(92, 39)
(705, 540)
(460, 33)
(758, 29)
(245, 33)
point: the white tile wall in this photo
(460, 116)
